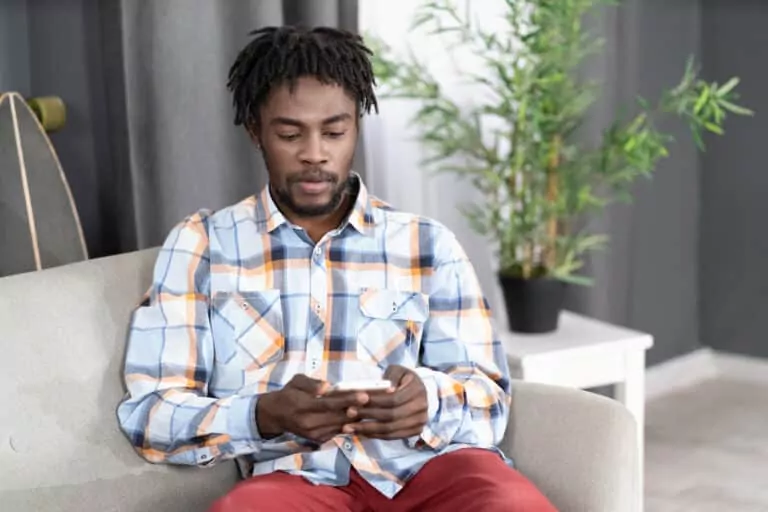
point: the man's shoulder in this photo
(228, 216)
(223, 218)
(389, 216)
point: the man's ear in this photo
(253, 133)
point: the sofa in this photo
(63, 337)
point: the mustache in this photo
(313, 175)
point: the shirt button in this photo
(313, 364)
(348, 446)
(318, 253)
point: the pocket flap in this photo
(248, 328)
(394, 304)
(245, 308)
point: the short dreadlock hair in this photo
(281, 55)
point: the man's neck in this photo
(317, 227)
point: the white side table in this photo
(585, 353)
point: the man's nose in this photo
(314, 151)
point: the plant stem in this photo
(518, 190)
(527, 259)
(552, 196)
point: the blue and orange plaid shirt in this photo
(242, 300)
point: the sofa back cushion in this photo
(63, 342)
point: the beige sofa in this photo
(63, 333)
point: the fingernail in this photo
(351, 412)
(348, 429)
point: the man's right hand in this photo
(301, 408)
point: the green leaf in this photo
(701, 101)
(577, 280)
(696, 133)
(714, 128)
(736, 109)
(719, 113)
(728, 86)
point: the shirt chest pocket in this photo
(248, 328)
(391, 324)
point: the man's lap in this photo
(471, 478)
(455, 481)
(283, 492)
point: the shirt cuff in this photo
(428, 438)
(427, 376)
(241, 421)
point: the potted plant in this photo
(514, 142)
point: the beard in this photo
(285, 196)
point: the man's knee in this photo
(241, 498)
(489, 484)
(257, 494)
(489, 494)
(280, 492)
(512, 498)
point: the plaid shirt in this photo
(242, 300)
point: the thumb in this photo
(407, 379)
(396, 374)
(308, 385)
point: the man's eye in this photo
(288, 136)
(335, 135)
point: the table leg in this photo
(632, 394)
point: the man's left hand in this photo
(399, 414)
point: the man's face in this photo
(308, 139)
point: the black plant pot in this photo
(533, 305)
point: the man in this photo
(258, 309)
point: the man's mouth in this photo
(314, 187)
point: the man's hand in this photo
(396, 415)
(301, 409)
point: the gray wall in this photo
(648, 278)
(734, 232)
(664, 253)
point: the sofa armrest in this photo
(579, 448)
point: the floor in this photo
(707, 448)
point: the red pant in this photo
(467, 479)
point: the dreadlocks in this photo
(281, 55)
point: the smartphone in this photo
(361, 385)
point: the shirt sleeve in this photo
(167, 414)
(463, 364)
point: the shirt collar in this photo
(269, 216)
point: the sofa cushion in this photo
(63, 340)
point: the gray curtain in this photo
(180, 148)
(14, 66)
(648, 277)
(733, 277)
(149, 137)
